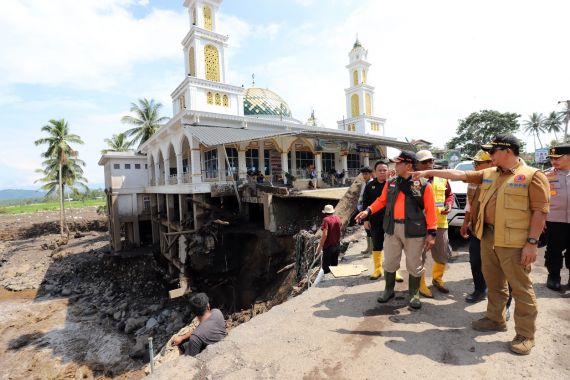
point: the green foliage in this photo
(480, 127)
(49, 206)
(146, 120)
(71, 174)
(535, 126)
(117, 143)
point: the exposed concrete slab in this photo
(334, 193)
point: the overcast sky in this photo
(433, 63)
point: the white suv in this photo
(459, 189)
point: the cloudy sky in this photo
(433, 62)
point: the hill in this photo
(12, 194)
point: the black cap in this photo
(405, 156)
(365, 169)
(559, 151)
(502, 141)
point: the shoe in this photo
(508, 314)
(399, 277)
(485, 324)
(414, 292)
(521, 345)
(377, 258)
(437, 275)
(368, 249)
(424, 290)
(476, 296)
(388, 293)
(553, 282)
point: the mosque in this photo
(233, 147)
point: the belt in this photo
(399, 221)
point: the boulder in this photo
(134, 323)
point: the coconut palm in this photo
(535, 125)
(553, 123)
(71, 173)
(565, 115)
(117, 143)
(57, 155)
(146, 118)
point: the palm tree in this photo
(57, 155)
(535, 125)
(553, 123)
(71, 173)
(146, 118)
(565, 114)
(117, 143)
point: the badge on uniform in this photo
(416, 185)
(520, 178)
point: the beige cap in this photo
(424, 155)
(329, 209)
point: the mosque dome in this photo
(264, 102)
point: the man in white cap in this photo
(441, 251)
(330, 239)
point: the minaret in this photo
(360, 96)
(205, 65)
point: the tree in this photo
(553, 123)
(117, 143)
(480, 127)
(146, 119)
(57, 155)
(565, 114)
(535, 126)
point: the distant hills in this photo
(13, 194)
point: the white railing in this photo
(353, 173)
(173, 179)
(186, 178)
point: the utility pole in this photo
(566, 119)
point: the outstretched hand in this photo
(419, 174)
(361, 216)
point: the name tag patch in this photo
(520, 178)
(517, 185)
(487, 180)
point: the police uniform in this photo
(558, 220)
(507, 200)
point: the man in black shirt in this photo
(212, 327)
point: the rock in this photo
(165, 313)
(151, 323)
(117, 315)
(134, 323)
(66, 292)
(139, 349)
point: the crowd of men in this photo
(509, 206)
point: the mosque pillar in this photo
(261, 158)
(242, 166)
(179, 168)
(284, 166)
(196, 163)
(166, 170)
(157, 174)
(318, 167)
(344, 163)
(149, 171)
(222, 163)
(366, 159)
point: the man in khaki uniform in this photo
(513, 203)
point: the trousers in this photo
(330, 257)
(475, 262)
(557, 247)
(413, 248)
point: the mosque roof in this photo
(260, 101)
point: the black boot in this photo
(553, 282)
(476, 296)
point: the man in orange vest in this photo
(513, 203)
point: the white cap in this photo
(423, 155)
(329, 209)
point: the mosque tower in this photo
(360, 96)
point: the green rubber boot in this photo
(388, 293)
(414, 284)
(368, 250)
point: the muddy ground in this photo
(337, 330)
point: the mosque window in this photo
(182, 102)
(233, 160)
(207, 18)
(354, 105)
(252, 159)
(355, 77)
(328, 160)
(353, 161)
(374, 127)
(226, 101)
(218, 99)
(211, 163)
(191, 63)
(363, 76)
(212, 63)
(210, 97)
(368, 105)
(351, 127)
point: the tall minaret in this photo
(205, 64)
(360, 96)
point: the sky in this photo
(433, 63)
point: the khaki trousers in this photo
(441, 251)
(413, 248)
(500, 265)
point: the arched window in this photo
(218, 99)
(210, 98)
(226, 101)
(191, 63)
(363, 76)
(355, 77)
(368, 105)
(354, 105)
(207, 18)
(212, 61)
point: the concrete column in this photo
(196, 165)
(261, 158)
(242, 167)
(149, 171)
(284, 166)
(366, 159)
(294, 167)
(179, 168)
(344, 161)
(221, 163)
(318, 167)
(156, 174)
(166, 169)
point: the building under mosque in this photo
(227, 146)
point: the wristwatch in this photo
(432, 233)
(532, 241)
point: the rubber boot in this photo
(399, 277)
(388, 293)
(414, 292)
(424, 290)
(437, 275)
(368, 249)
(377, 257)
